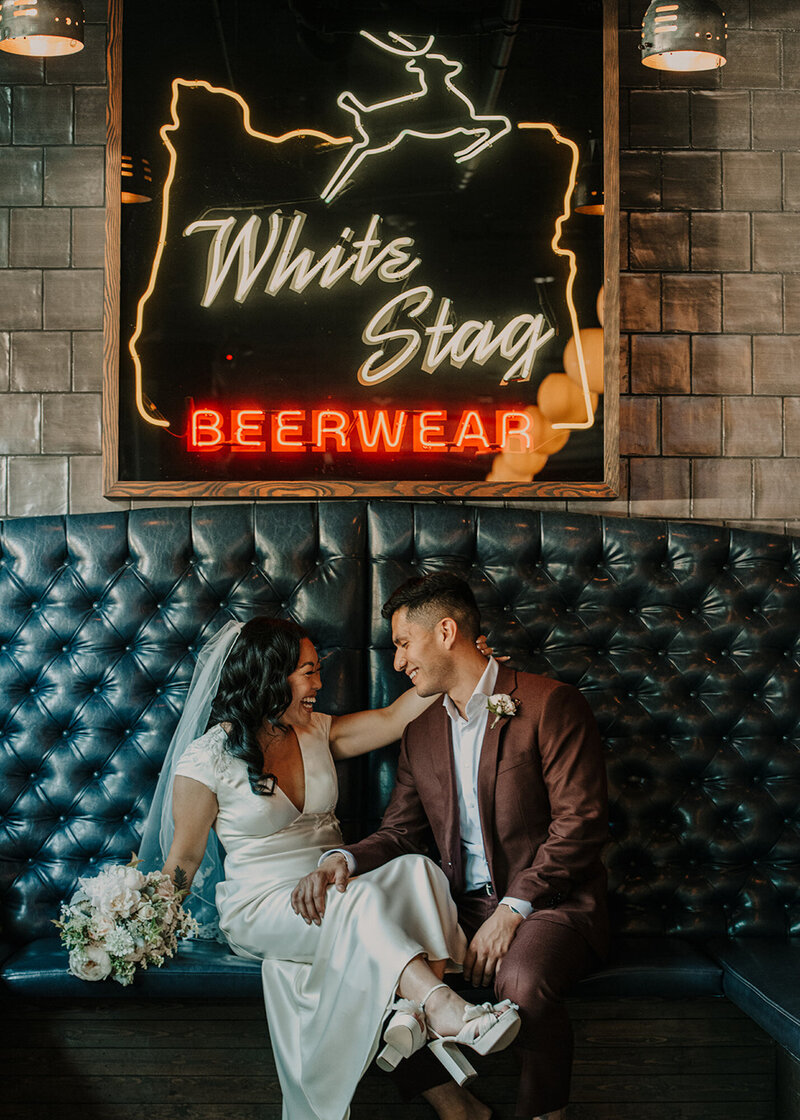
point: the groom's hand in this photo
(308, 897)
(489, 945)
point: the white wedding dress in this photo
(327, 988)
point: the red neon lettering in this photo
(514, 431)
(246, 422)
(205, 432)
(380, 430)
(470, 428)
(285, 424)
(328, 424)
(428, 425)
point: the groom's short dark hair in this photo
(440, 594)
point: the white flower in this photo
(91, 963)
(101, 926)
(119, 942)
(501, 705)
(115, 891)
(146, 912)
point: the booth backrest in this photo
(684, 638)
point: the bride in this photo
(261, 783)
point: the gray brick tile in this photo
(777, 488)
(73, 299)
(659, 119)
(752, 426)
(722, 488)
(791, 304)
(775, 120)
(87, 361)
(720, 241)
(791, 422)
(752, 304)
(692, 303)
(21, 176)
(20, 299)
(88, 237)
(791, 180)
(659, 488)
(659, 241)
(19, 68)
(3, 486)
(42, 115)
(71, 423)
(5, 114)
(660, 363)
(632, 75)
(39, 237)
(74, 177)
(692, 180)
(86, 486)
(737, 13)
(751, 180)
(40, 361)
(4, 222)
(90, 114)
(614, 507)
(5, 364)
(791, 62)
(691, 426)
(640, 180)
(87, 67)
(754, 61)
(722, 363)
(20, 424)
(640, 303)
(776, 242)
(776, 362)
(37, 485)
(639, 426)
(95, 11)
(721, 119)
(776, 14)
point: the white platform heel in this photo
(405, 1033)
(487, 1029)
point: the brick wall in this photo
(710, 260)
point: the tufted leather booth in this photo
(683, 638)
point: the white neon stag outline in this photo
(435, 73)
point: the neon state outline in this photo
(484, 136)
(165, 131)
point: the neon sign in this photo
(376, 432)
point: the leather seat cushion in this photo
(760, 977)
(200, 970)
(653, 967)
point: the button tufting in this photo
(95, 773)
(96, 604)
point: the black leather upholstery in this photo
(683, 637)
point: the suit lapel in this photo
(487, 766)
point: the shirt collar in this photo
(484, 687)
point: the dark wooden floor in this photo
(635, 1060)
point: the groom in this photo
(507, 776)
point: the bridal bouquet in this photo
(122, 920)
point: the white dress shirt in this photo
(467, 737)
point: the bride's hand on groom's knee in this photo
(310, 895)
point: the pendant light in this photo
(589, 197)
(41, 28)
(137, 179)
(684, 35)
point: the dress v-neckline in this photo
(300, 812)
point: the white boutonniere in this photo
(501, 705)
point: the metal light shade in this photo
(137, 179)
(41, 27)
(588, 197)
(684, 35)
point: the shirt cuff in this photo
(518, 905)
(351, 863)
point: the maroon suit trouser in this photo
(544, 961)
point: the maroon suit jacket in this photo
(541, 796)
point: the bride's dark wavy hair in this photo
(254, 687)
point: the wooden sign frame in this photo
(116, 486)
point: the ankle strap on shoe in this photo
(430, 992)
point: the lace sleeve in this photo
(199, 760)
